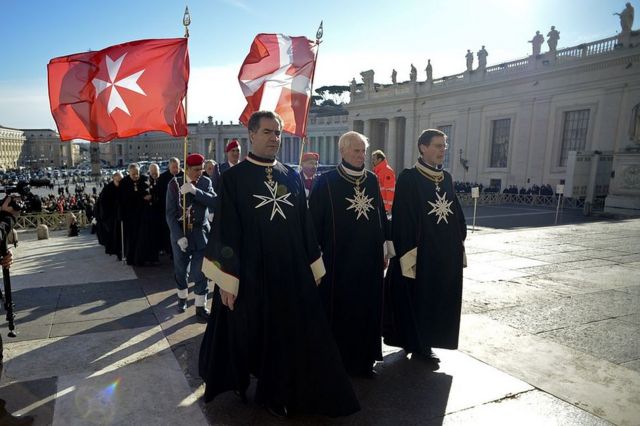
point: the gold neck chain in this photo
(434, 176)
(351, 179)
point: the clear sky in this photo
(358, 35)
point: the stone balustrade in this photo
(530, 63)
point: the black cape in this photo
(425, 312)
(277, 331)
(108, 220)
(352, 241)
(136, 216)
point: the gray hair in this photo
(134, 166)
(348, 138)
(174, 160)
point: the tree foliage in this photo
(336, 94)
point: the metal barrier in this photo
(53, 221)
(494, 198)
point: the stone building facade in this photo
(209, 138)
(11, 145)
(513, 123)
(43, 148)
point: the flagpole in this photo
(313, 74)
(186, 20)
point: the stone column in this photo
(390, 146)
(410, 148)
(367, 128)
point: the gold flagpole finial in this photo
(319, 33)
(186, 20)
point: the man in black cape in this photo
(134, 203)
(351, 225)
(424, 281)
(108, 217)
(267, 318)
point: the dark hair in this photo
(378, 154)
(427, 135)
(254, 122)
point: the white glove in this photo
(183, 243)
(188, 187)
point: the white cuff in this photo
(225, 281)
(389, 249)
(183, 294)
(318, 269)
(201, 300)
(408, 263)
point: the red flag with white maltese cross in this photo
(277, 75)
(120, 91)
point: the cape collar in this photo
(260, 161)
(351, 170)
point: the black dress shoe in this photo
(277, 410)
(182, 305)
(426, 356)
(431, 355)
(202, 314)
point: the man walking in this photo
(189, 230)
(425, 279)
(267, 319)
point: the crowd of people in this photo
(309, 272)
(465, 188)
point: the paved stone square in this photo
(550, 333)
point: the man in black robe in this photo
(134, 204)
(267, 319)
(351, 225)
(108, 217)
(425, 279)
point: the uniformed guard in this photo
(189, 229)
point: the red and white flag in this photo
(120, 91)
(276, 76)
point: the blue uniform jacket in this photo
(201, 205)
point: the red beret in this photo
(231, 145)
(195, 160)
(310, 156)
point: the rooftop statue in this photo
(536, 43)
(552, 39)
(482, 58)
(626, 18)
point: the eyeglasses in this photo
(440, 146)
